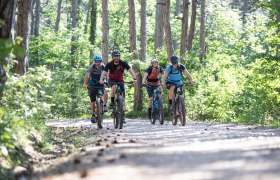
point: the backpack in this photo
(93, 67)
(151, 69)
(180, 69)
(91, 73)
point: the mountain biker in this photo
(151, 77)
(91, 80)
(116, 69)
(173, 76)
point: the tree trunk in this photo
(32, 17)
(37, 17)
(7, 15)
(178, 8)
(132, 28)
(133, 50)
(58, 14)
(92, 24)
(138, 92)
(184, 29)
(143, 29)
(24, 6)
(277, 32)
(105, 30)
(244, 9)
(192, 26)
(69, 14)
(202, 33)
(88, 14)
(167, 30)
(159, 28)
(74, 27)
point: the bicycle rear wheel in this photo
(182, 110)
(160, 111)
(120, 112)
(99, 106)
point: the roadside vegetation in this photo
(238, 82)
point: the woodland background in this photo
(230, 47)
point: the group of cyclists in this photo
(114, 72)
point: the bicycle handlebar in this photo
(116, 83)
(149, 85)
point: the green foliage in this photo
(53, 50)
(259, 100)
(25, 104)
(67, 94)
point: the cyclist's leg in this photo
(170, 87)
(113, 92)
(105, 97)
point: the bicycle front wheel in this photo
(99, 106)
(154, 116)
(175, 110)
(182, 110)
(120, 111)
(160, 111)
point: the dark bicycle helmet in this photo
(97, 58)
(174, 59)
(116, 53)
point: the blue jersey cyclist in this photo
(151, 78)
(173, 76)
(91, 81)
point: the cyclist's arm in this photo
(188, 75)
(86, 79)
(132, 73)
(164, 77)
(144, 78)
(103, 74)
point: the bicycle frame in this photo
(157, 93)
(157, 105)
(179, 107)
(118, 109)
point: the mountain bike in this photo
(118, 108)
(179, 106)
(99, 106)
(157, 106)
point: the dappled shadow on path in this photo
(200, 150)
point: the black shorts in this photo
(169, 85)
(93, 92)
(112, 83)
(151, 90)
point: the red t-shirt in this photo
(116, 71)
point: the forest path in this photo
(200, 150)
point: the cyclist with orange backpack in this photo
(151, 78)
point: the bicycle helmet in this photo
(97, 59)
(154, 60)
(174, 59)
(116, 53)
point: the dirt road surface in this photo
(199, 150)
